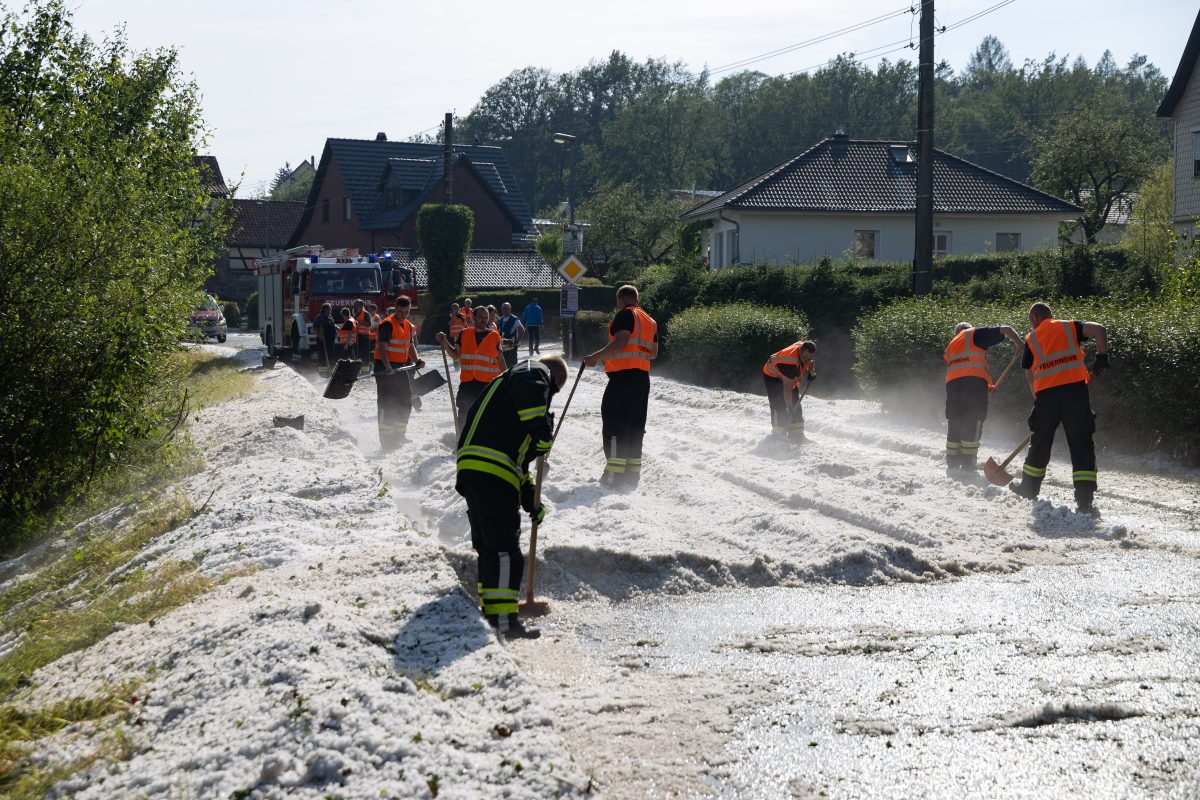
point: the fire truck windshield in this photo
(345, 281)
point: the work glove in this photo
(812, 376)
(420, 363)
(536, 512)
(1101, 363)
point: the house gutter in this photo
(737, 226)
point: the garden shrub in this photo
(233, 315)
(445, 233)
(591, 331)
(727, 345)
(251, 311)
(1147, 399)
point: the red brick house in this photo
(366, 194)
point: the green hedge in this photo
(727, 345)
(445, 235)
(250, 311)
(591, 331)
(1147, 400)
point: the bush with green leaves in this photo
(106, 235)
(233, 315)
(1147, 399)
(591, 331)
(727, 345)
(445, 234)
(251, 311)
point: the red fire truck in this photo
(295, 283)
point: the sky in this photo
(278, 77)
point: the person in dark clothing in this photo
(1058, 377)
(507, 427)
(781, 376)
(968, 386)
(633, 344)
(325, 328)
(510, 330)
(396, 347)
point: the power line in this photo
(810, 42)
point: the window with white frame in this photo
(942, 241)
(1008, 242)
(865, 243)
(717, 252)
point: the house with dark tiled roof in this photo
(859, 196)
(366, 194)
(491, 269)
(1181, 105)
(210, 176)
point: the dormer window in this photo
(901, 154)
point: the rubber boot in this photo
(509, 626)
(1027, 488)
(1084, 492)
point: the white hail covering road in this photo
(755, 620)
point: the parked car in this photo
(206, 319)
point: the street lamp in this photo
(566, 138)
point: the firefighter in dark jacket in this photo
(396, 347)
(782, 375)
(1058, 377)
(633, 344)
(968, 385)
(507, 427)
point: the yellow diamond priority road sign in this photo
(572, 268)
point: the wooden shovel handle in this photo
(1018, 449)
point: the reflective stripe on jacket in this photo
(401, 347)
(362, 321)
(480, 359)
(636, 353)
(788, 355)
(346, 335)
(456, 325)
(1057, 356)
(964, 359)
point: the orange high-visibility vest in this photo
(788, 355)
(346, 335)
(402, 345)
(964, 359)
(375, 320)
(636, 353)
(363, 323)
(457, 324)
(468, 315)
(1057, 356)
(480, 358)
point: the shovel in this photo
(533, 607)
(345, 373)
(996, 473)
(1011, 363)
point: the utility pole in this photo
(448, 161)
(923, 254)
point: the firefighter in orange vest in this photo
(347, 335)
(782, 375)
(633, 344)
(468, 312)
(1054, 366)
(396, 347)
(480, 362)
(968, 385)
(362, 322)
(458, 322)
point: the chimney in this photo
(381, 137)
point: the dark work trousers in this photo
(623, 421)
(1070, 406)
(783, 421)
(327, 348)
(365, 349)
(467, 393)
(393, 402)
(493, 509)
(534, 337)
(966, 409)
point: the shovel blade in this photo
(427, 383)
(342, 379)
(995, 473)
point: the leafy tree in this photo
(286, 185)
(106, 235)
(445, 233)
(550, 247)
(1150, 230)
(628, 230)
(1094, 161)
